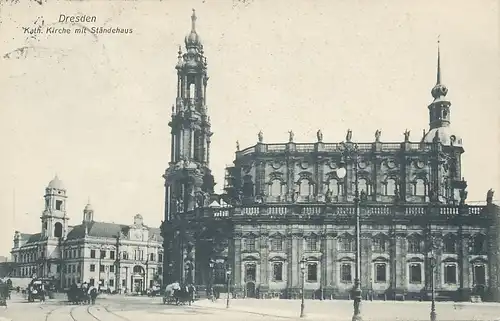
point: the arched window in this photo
(419, 188)
(390, 187)
(333, 186)
(363, 186)
(58, 228)
(192, 90)
(305, 188)
(275, 188)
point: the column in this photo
(366, 258)
(264, 256)
(324, 261)
(238, 267)
(334, 247)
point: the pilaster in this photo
(366, 257)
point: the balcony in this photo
(267, 149)
(339, 211)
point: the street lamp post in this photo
(228, 273)
(210, 279)
(432, 263)
(302, 272)
(350, 151)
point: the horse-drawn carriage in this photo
(82, 294)
(175, 293)
(37, 290)
(78, 295)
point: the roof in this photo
(34, 238)
(105, 229)
(56, 183)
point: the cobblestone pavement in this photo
(121, 308)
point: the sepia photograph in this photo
(249, 160)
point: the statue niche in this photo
(248, 186)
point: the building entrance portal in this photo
(250, 287)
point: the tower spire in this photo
(438, 80)
(439, 91)
(193, 21)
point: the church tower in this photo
(446, 182)
(54, 219)
(188, 179)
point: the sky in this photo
(95, 109)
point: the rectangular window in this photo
(312, 272)
(101, 268)
(278, 271)
(277, 244)
(112, 268)
(92, 267)
(380, 272)
(59, 205)
(346, 272)
(160, 270)
(92, 254)
(346, 245)
(479, 275)
(78, 268)
(112, 255)
(92, 282)
(73, 268)
(103, 254)
(160, 257)
(450, 274)
(250, 244)
(414, 246)
(74, 253)
(111, 282)
(312, 244)
(415, 273)
(125, 255)
(151, 256)
(379, 245)
(124, 282)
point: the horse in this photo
(182, 295)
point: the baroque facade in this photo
(115, 257)
(287, 202)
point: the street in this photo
(111, 308)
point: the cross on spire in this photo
(193, 21)
(438, 80)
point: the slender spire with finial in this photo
(439, 90)
(438, 80)
(193, 21)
